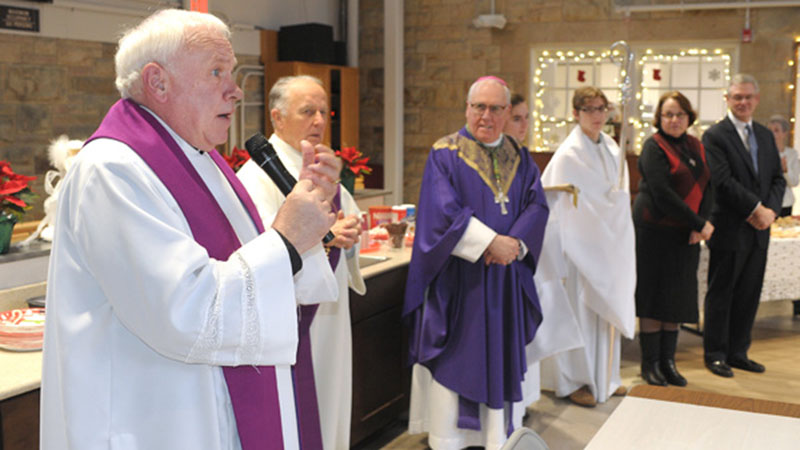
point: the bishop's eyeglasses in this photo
(494, 110)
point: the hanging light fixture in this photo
(490, 20)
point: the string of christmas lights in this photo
(549, 130)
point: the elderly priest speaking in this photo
(470, 298)
(172, 313)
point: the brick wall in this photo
(50, 87)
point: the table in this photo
(656, 417)
(781, 280)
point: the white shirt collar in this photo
(738, 123)
(740, 127)
(495, 143)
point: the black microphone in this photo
(263, 154)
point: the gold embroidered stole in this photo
(478, 158)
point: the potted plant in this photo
(15, 197)
(237, 158)
(354, 164)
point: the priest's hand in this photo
(346, 230)
(321, 166)
(305, 217)
(502, 250)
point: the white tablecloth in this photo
(782, 277)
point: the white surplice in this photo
(140, 319)
(331, 343)
(597, 242)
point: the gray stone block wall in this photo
(50, 87)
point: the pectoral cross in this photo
(502, 200)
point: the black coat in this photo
(738, 188)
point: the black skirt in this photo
(666, 271)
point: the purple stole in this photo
(253, 390)
(305, 390)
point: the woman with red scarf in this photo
(670, 216)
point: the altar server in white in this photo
(171, 313)
(299, 111)
(597, 243)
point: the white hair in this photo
(481, 82)
(743, 78)
(780, 120)
(279, 93)
(157, 39)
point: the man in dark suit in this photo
(746, 173)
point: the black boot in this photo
(669, 341)
(651, 347)
(796, 306)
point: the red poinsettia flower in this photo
(14, 191)
(237, 158)
(354, 161)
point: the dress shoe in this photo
(583, 397)
(652, 373)
(720, 368)
(671, 374)
(620, 391)
(746, 364)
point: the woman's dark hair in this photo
(683, 102)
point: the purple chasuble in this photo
(305, 389)
(469, 322)
(253, 390)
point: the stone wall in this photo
(50, 87)
(444, 53)
(370, 79)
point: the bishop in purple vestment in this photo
(470, 302)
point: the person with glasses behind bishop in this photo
(470, 300)
(671, 216)
(594, 245)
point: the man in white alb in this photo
(171, 312)
(299, 111)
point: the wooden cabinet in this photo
(381, 375)
(19, 422)
(341, 84)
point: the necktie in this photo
(752, 145)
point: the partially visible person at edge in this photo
(171, 311)
(596, 239)
(470, 302)
(298, 107)
(517, 125)
(670, 215)
(790, 164)
(748, 191)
